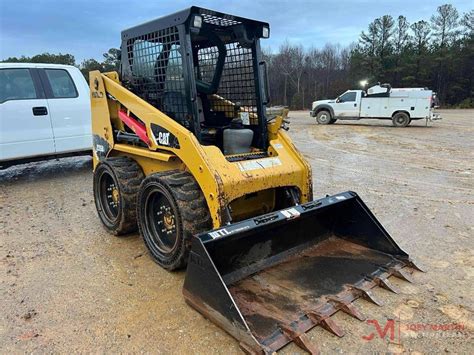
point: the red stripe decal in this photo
(137, 127)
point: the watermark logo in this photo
(389, 329)
(393, 330)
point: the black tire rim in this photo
(109, 196)
(160, 218)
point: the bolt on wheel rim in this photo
(109, 196)
(161, 222)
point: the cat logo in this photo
(164, 138)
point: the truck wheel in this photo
(171, 209)
(401, 119)
(323, 117)
(116, 184)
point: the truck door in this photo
(347, 105)
(69, 104)
(25, 121)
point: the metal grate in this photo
(219, 21)
(237, 84)
(157, 73)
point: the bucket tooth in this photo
(300, 340)
(326, 322)
(367, 295)
(411, 264)
(384, 283)
(304, 343)
(402, 274)
(348, 308)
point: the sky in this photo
(87, 28)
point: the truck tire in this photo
(401, 119)
(171, 210)
(116, 184)
(323, 117)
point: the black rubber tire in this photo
(401, 119)
(323, 117)
(180, 196)
(127, 176)
(333, 120)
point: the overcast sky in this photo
(87, 29)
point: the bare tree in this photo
(467, 22)
(421, 34)
(385, 25)
(444, 24)
(401, 35)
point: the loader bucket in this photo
(270, 279)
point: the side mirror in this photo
(338, 100)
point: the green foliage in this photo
(437, 54)
(49, 58)
(111, 61)
(466, 103)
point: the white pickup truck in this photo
(44, 112)
(379, 102)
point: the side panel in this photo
(25, 122)
(68, 100)
(370, 107)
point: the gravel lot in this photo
(68, 286)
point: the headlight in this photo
(197, 21)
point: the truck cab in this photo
(44, 112)
(346, 105)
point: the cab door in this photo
(347, 105)
(68, 99)
(25, 121)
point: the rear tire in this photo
(171, 210)
(116, 184)
(401, 119)
(323, 117)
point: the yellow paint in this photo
(220, 180)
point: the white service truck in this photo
(380, 102)
(45, 112)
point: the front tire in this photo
(171, 210)
(116, 184)
(401, 119)
(323, 117)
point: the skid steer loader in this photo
(185, 152)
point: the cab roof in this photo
(211, 17)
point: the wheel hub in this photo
(115, 195)
(168, 220)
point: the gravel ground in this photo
(68, 286)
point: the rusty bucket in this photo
(270, 279)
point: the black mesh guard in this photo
(237, 84)
(156, 67)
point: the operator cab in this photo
(203, 69)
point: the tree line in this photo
(110, 61)
(437, 53)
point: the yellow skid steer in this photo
(185, 152)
